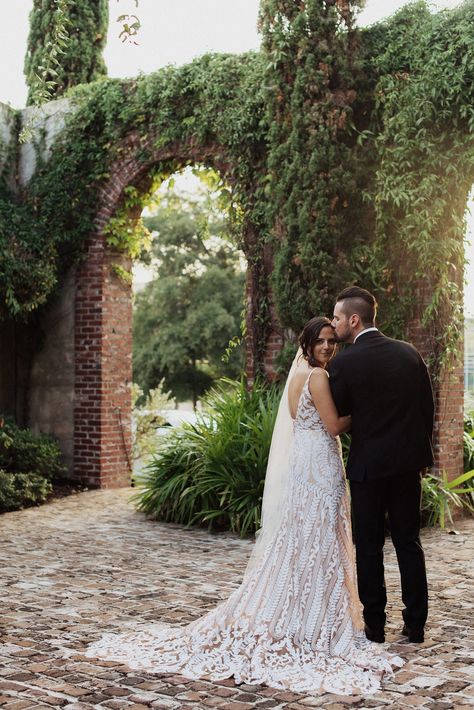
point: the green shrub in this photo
(146, 418)
(22, 451)
(213, 472)
(18, 490)
(28, 464)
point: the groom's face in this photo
(340, 323)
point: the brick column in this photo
(449, 422)
(103, 352)
(449, 399)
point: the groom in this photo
(385, 386)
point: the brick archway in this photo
(103, 320)
(103, 337)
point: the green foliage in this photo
(215, 101)
(124, 232)
(350, 154)
(20, 490)
(383, 114)
(130, 27)
(440, 496)
(468, 441)
(21, 450)
(185, 318)
(311, 51)
(423, 134)
(146, 419)
(213, 473)
(65, 46)
(28, 465)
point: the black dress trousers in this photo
(400, 496)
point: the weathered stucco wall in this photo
(8, 370)
(50, 400)
(50, 119)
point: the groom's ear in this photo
(354, 320)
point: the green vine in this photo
(214, 105)
(423, 126)
(124, 232)
(371, 157)
(349, 154)
(311, 52)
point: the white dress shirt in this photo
(367, 330)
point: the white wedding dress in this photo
(295, 622)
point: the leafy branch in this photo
(45, 78)
(130, 26)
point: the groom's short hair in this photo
(358, 300)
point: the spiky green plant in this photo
(212, 473)
(440, 496)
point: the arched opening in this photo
(188, 302)
(103, 316)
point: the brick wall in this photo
(449, 400)
(449, 424)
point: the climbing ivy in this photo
(350, 154)
(371, 157)
(425, 106)
(215, 102)
(311, 51)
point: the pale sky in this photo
(172, 32)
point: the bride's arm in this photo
(324, 403)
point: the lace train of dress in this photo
(295, 622)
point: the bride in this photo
(295, 621)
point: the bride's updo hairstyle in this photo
(309, 336)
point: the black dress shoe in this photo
(414, 635)
(375, 635)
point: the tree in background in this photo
(65, 46)
(186, 317)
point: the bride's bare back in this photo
(295, 386)
(321, 396)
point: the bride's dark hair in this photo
(309, 336)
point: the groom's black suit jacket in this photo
(385, 386)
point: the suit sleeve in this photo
(339, 388)
(427, 400)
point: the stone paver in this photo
(87, 564)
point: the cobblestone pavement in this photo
(87, 564)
